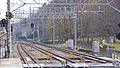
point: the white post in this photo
(75, 29)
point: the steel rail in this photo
(32, 58)
(55, 55)
(21, 55)
(29, 55)
(87, 56)
(50, 52)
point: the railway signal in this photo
(3, 23)
(9, 15)
(32, 25)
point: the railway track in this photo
(23, 57)
(87, 56)
(55, 56)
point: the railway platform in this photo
(10, 63)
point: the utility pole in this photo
(43, 29)
(53, 29)
(75, 27)
(75, 30)
(8, 28)
(38, 33)
(32, 25)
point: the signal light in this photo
(9, 15)
(4, 23)
(32, 25)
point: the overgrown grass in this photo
(117, 46)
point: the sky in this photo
(3, 6)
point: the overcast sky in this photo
(3, 6)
